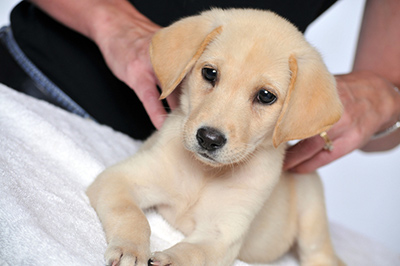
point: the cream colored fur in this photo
(233, 202)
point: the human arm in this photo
(370, 101)
(123, 36)
(382, 38)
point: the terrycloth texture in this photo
(48, 157)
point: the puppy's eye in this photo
(209, 74)
(265, 97)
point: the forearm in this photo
(378, 52)
(95, 19)
(123, 36)
(378, 45)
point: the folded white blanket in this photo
(47, 159)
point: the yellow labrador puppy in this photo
(249, 83)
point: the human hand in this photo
(370, 105)
(123, 35)
(125, 48)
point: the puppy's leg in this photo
(118, 196)
(314, 243)
(221, 222)
(200, 249)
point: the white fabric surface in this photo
(47, 159)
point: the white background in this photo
(362, 190)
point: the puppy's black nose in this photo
(210, 138)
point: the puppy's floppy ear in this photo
(175, 49)
(311, 105)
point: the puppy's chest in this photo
(200, 198)
(190, 202)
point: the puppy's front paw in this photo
(126, 253)
(182, 254)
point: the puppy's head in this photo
(249, 81)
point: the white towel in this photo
(47, 159)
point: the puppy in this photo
(249, 83)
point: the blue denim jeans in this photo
(50, 89)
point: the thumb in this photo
(146, 90)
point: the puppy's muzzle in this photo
(210, 139)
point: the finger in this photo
(308, 148)
(173, 100)
(148, 94)
(303, 151)
(320, 159)
(323, 157)
(154, 107)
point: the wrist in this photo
(383, 143)
(387, 138)
(392, 128)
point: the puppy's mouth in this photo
(206, 156)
